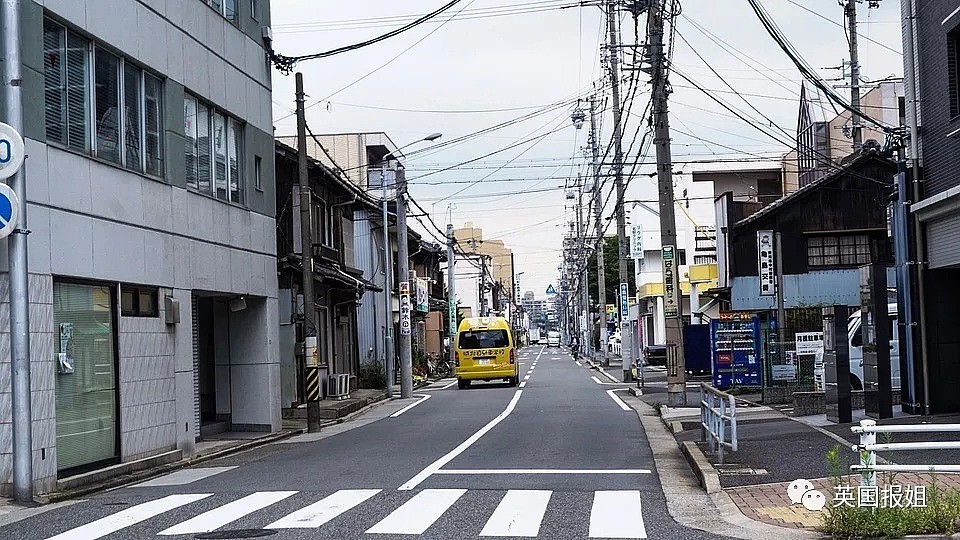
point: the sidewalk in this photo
(775, 449)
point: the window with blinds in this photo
(99, 102)
(86, 385)
(214, 151)
(953, 70)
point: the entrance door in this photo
(213, 365)
(84, 319)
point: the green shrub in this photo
(372, 375)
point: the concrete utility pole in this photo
(17, 256)
(306, 248)
(586, 339)
(388, 351)
(626, 338)
(851, 13)
(403, 259)
(676, 361)
(601, 269)
(452, 292)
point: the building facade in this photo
(152, 253)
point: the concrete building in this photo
(152, 253)
(471, 240)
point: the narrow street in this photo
(559, 458)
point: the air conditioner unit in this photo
(338, 386)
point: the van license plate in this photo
(483, 361)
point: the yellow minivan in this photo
(485, 351)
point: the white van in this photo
(855, 344)
(553, 339)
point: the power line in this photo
(285, 64)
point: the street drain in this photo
(236, 533)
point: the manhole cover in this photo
(236, 533)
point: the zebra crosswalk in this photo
(518, 513)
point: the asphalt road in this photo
(557, 459)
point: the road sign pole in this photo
(12, 82)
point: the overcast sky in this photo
(498, 60)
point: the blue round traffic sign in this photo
(9, 210)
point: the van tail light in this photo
(513, 356)
(456, 358)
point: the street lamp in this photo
(406, 357)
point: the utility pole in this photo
(601, 270)
(626, 338)
(673, 307)
(851, 13)
(406, 352)
(452, 292)
(17, 260)
(586, 337)
(388, 354)
(311, 365)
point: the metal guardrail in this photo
(869, 447)
(718, 419)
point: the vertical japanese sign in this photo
(636, 242)
(422, 295)
(405, 322)
(671, 285)
(452, 315)
(624, 302)
(765, 263)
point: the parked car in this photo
(655, 355)
(553, 339)
(855, 346)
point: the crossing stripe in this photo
(126, 518)
(518, 514)
(416, 515)
(228, 513)
(616, 514)
(322, 511)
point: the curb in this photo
(707, 475)
(119, 481)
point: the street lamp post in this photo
(406, 353)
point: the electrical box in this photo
(171, 310)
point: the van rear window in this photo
(484, 339)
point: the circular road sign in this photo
(11, 151)
(9, 210)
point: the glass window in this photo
(78, 92)
(220, 154)
(483, 339)
(204, 148)
(230, 9)
(190, 120)
(54, 81)
(255, 9)
(107, 99)
(846, 250)
(257, 173)
(153, 103)
(86, 383)
(139, 301)
(234, 153)
(132, 116)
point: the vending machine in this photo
(736, 342)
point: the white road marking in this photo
(228, 513)
(423, 397)
(611, 377)
(449, 385)
(617, 399)
(518, 514)
(578, 362)
(185, 476)
(129, 517)
(541, 471)
(616, 514)
(598, 381)
(447, 458)
(527, 376)
(522, 384)
(418, 514)
(322, 511)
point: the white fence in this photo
(869, 447)
(718, 420)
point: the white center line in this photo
(527, 376)
(129, 517)
(542, 471)
(447, 458)
(617, 399)
(522, 384)
(423, 398)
